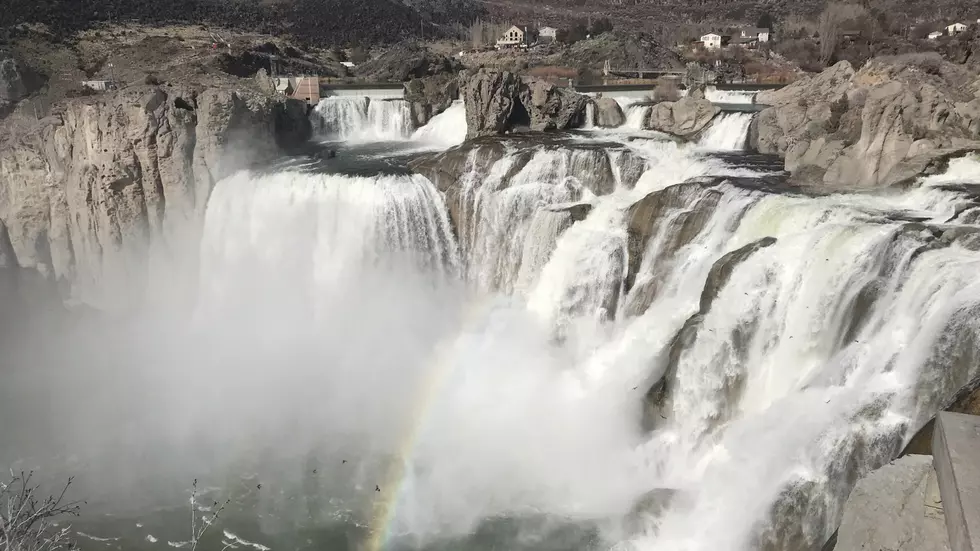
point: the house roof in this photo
(746, 40)
(523, 26)
(754, 30)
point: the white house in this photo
(712, 41)
(518, 35)
(758, 33)
(547, 34)
(955, 28)
(935, 35)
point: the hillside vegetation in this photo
(318, 22)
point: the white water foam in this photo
(727, 132)
(445, 129)
(363, 119)
(715, 95)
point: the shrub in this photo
(26, 517)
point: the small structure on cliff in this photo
(306, 88)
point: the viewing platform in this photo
(956, 458)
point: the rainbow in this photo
(383, 514)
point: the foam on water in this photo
(727, 132)
(363, 119)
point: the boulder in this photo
(608, 113)
(551, 107)
(490, 98)
(896, 507)
(110, 192)
(498, 102)
(870, 128)
(684, 118)
(429, 96)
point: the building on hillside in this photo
(547, 34)
(714, 41)
(746, 42)
(935, 35)
(518, 36)
(955, 28)
(758, 33)
(283, 86)
(99, 85)
(306, 88)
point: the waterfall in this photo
(293, 230)
(715, 95)
(636, 117)
(589, 115)
(728, 132)
(363, 119)
(621, 336)
(447, 128)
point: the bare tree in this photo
(26, 518)
(476, 34)
(830, 32)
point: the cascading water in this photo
(622, 338)
(715, 95)
(363, 119)
(727, 132)
(636, 117)
(447, 128)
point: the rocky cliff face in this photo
(498, 102)
(16, 83)
(875, 127)
(110, 193)
(429, 96)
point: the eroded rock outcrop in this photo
(499, 101)
(876, 127)
(551, 107)
(608, 113)
(105, 187)
(684, 118)
(429, 96)
(16, 83)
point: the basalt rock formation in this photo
(880, 126)
(608, 113)
(17, 82)
(684, 118)
(499, 102)
(109, 186)
(429, 96)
